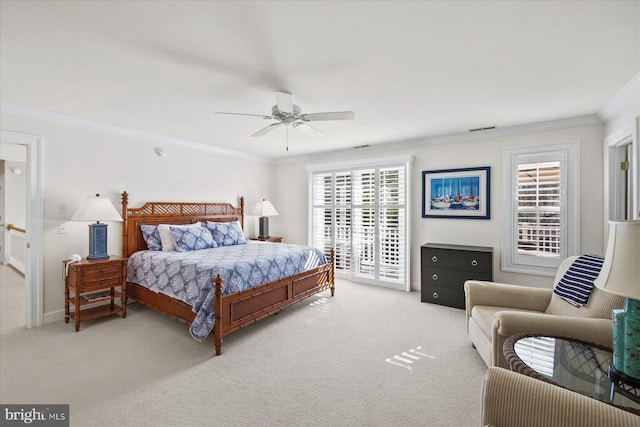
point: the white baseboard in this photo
(53, 316)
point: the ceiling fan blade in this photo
(308, 129)
(265, 130)
(336, 115)
(244, 114)
(284, 100)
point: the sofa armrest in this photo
(515, 400)
(505, 295)
(508, 323)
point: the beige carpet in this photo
(366, 357)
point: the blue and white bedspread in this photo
(188, 276)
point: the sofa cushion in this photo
(483, 316)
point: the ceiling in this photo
(409, 70)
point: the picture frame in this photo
(457, 193)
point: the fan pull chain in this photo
(287, 127)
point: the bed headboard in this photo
(154, 213)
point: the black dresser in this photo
(445, 268)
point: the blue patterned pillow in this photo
(227, 233)
(192, 238)
(151, 236)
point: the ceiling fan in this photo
(288, 114)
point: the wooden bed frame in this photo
(232, 311)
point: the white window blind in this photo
(362, 214)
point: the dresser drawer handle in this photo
(434, 277)
(474, 263)
(434, 259)
(435, 295)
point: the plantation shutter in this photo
(364, 223)
(362, 214)
(322, 222)
(392, 227)
(342, 215)
(538, 208)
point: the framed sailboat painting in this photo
(456, 193)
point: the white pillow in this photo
(168, 245)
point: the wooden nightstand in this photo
(274, 239)
(95, 288)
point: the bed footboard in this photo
(244, 308)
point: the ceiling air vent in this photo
(478, 129)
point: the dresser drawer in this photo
(444, 277)
(457, 260)
(452, 296)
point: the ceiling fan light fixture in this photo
(289, 114)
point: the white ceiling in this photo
(408, 69)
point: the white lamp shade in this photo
(264, 208)
(97, 209)
(620, 274)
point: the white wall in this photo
(292, 194)
(80, 162)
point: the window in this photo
(540, 208)
(361, 212)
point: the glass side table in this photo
(576, 365)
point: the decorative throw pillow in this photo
(151, 236)
(227, 233)
(165, 235)
(192, 238)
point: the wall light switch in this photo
(62, 229)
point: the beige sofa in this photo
(510, 399)
(496, 311)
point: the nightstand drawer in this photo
(103, 272)
(100, 282)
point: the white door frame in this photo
(627, 135)
(34, 307)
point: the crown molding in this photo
(63, 119)
(546, 126)
(622, 98)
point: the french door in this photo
(362, 213)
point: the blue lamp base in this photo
(97, 241)
(264, 227)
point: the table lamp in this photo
(97, 209)
(620, 275)
(264, 209)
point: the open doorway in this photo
(33, 282)
(13, 240)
